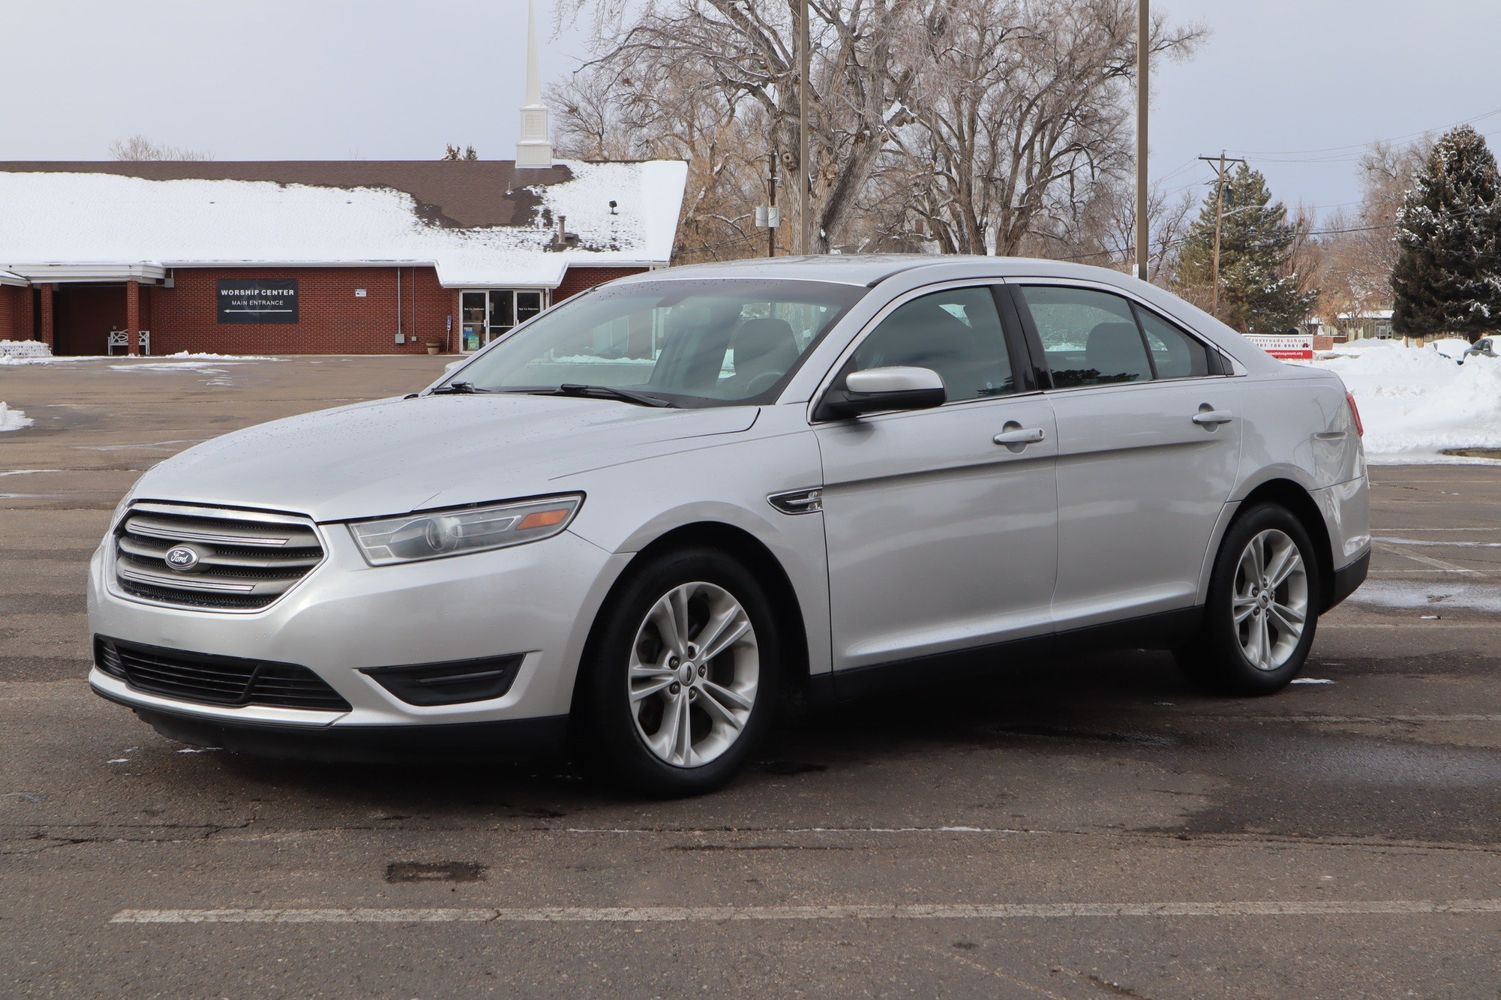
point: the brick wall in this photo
(331, 318)
(578, 279)
(83, 315)
(15, 313)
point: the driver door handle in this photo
(1213, 418)
(1020, 435)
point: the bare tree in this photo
(139, 148)
(1019, 110)
(1358, 251)
(737, 54)
(952, 125)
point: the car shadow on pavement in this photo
(1056, 706)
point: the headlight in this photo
(457, 532)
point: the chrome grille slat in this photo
(245, 559)
(300, 558)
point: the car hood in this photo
(395, 455)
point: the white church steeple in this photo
(534, 149)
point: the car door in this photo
(940, 524)
(1148, 449)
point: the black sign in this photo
(257, 300)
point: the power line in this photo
(1364, 145)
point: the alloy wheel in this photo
(694, 670)
(1270, 602)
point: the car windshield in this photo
(685, 342)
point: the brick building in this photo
(320, 257)
(315, 257)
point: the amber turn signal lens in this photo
(544, 518)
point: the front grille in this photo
(215, 680)
(223, 560)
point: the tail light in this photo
(1355, 414)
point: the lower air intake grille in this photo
(212, 558)
(215, 680)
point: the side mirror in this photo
(876, 389)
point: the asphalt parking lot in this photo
(1090, 828)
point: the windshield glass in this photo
(717, 342)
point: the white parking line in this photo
(902, 911)
(1447, 567)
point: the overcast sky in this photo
(1295, 85)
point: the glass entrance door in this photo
(488, 315)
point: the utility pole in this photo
(804, 60)
(771, 208)
(1143, 73)
(1221, 166)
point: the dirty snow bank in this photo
(13, 420)
(24, 349)
(1417, 402)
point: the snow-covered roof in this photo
(479, 223)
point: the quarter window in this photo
(1174, 353)
(1088, 337)
(956, 333)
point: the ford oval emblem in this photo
(181, 558)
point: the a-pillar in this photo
(49, 334)
(133, 316)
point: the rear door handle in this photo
(1016, 434)
(1211, 418)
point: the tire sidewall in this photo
(1222, 643)
(618, 745)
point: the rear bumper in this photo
(506, 739)
(1348, 580)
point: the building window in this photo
(489, 314)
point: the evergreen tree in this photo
(1259, 289)
(1448, 274)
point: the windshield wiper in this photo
(457, 389)
(605, 392)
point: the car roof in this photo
(871, 269)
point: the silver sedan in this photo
(651, 514)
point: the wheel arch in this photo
(751, 552)
(1296, 500)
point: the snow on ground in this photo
(1432, 597)
(13, 420)
(1417, 402)
(161, 362)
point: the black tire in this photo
(611, 735)
(1216, 657)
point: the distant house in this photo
(320, 257)
(1364, 325)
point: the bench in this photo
(121, 339)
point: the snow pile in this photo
(13, 420)
(122, 362)
(24, 349)
(1417, 402)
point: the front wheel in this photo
(1262, 611)
(682, 674)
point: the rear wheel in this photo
(1262, 610)
(683, 674)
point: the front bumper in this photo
(535, 600)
